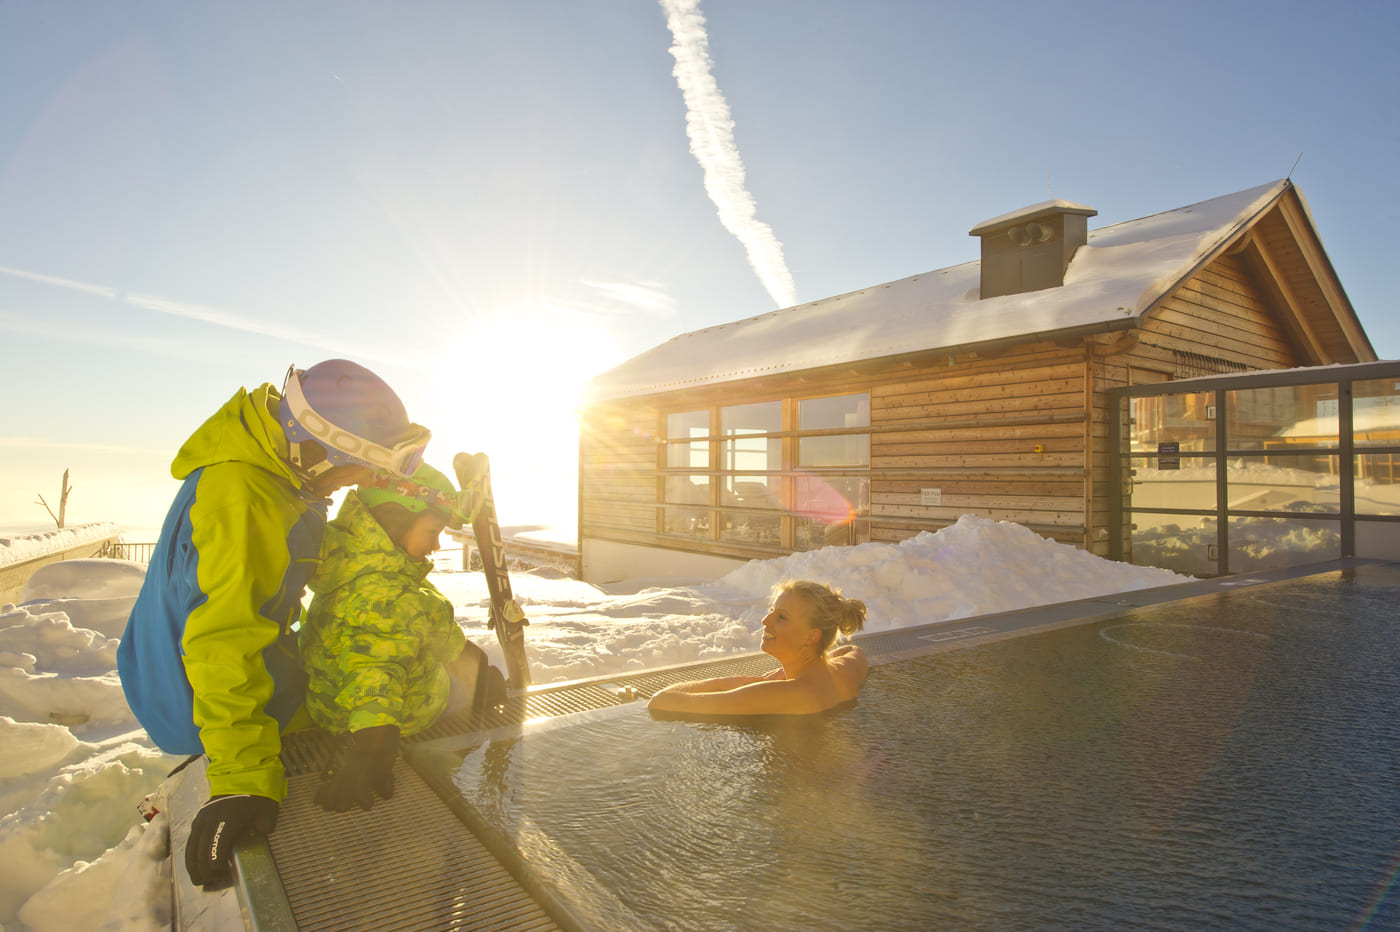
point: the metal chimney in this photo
(1029, 249)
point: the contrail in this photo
(710, 128)
(188, 311)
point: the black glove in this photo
(219, 825)
(362, 766)
(473, 670)
(490, 689)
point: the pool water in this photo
(1229, 761)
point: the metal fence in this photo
(1230, 474)
(138, 553)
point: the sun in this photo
(509, 385)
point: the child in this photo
(380, 645)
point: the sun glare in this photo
(510, 387)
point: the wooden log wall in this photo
(1001, 436)
(617, 471)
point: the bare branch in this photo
(48, 509)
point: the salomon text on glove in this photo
(219, 825)
(362, 766)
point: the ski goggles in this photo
(402, 458)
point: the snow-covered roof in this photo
(1122, 271)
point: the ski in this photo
(507, 618)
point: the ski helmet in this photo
(338, 413)
(428, 489)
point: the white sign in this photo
(930, 496)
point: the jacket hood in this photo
(355, 544)
(244, 430)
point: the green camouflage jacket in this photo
(377, 633)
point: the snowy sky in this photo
(472, 196)
(73, 853)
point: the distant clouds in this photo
(34, 443)
(189, 311)
(101, 291)
(710, 128)
(648, 297)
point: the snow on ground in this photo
(74, 853)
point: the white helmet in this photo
(338, 413)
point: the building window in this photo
(686, 483)
(751, 471)
(771, 474)
(831, 491)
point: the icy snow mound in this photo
(974, 567)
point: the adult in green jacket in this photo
(382, 650)
(208, 660)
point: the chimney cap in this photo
(1033, 212)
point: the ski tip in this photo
(468, 460)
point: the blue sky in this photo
(489, 201)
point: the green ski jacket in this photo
(377, 635)
(208, 660)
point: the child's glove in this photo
(361, 767)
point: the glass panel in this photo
(840, 450)
(1272, 543)
(751, 453)
(693, 455)
(1187, 419)
(1191, 486)
(1284, 483)
(753, 528)
(752, 491)
(1283, 416)
(687, 424)
(689, 522)
(834, 413)
(809, 534)
(688, 490)
(761, 418)
(1375, 415)
(1180, 543)
(831, 499)
(1377, 483)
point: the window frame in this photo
(774, 526)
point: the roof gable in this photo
(1121, 274)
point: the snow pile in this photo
(74, 853)
(27, 546)
(974, 567)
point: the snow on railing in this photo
(23, 547)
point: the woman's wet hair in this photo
(831, 613)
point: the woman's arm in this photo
(756, 697)
(717, 684)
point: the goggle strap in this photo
(403, 458)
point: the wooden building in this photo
(980, 388)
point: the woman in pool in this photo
(804, 623)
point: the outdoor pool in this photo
(1226, 761)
